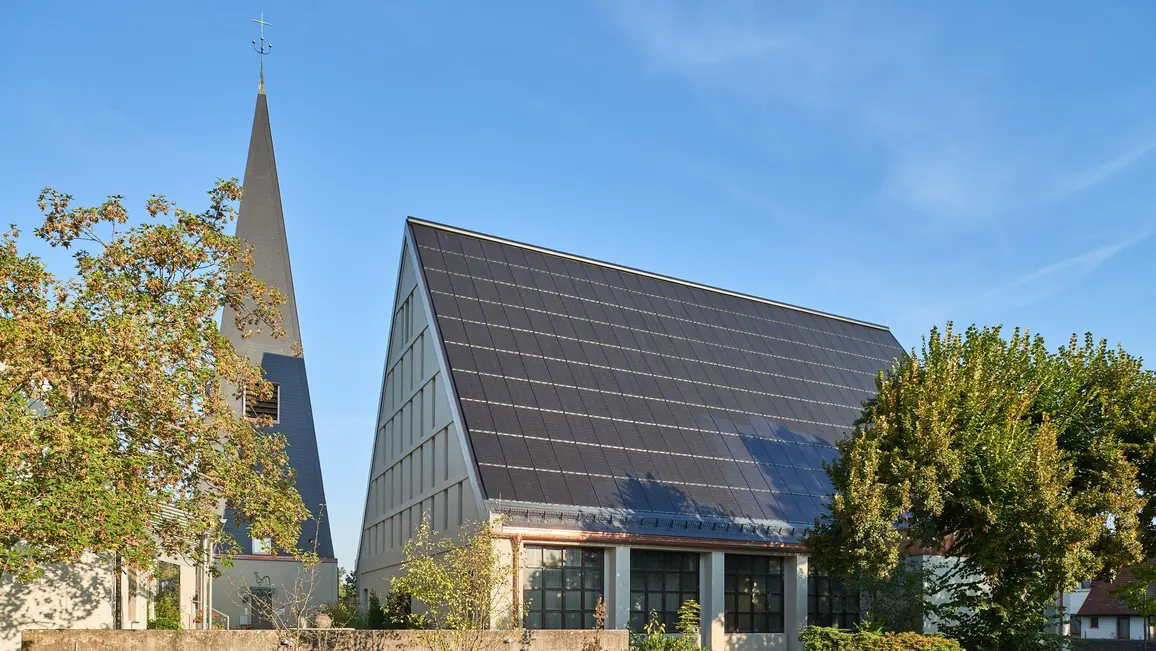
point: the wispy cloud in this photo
(953, 149)
(1052, 278)
(1098, 173)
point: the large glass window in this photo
(661, 581)
(561, 586)
(754, 594)
(829, 603)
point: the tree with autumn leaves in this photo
(116, 388)
(1030, 468)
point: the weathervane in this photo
(262, 49)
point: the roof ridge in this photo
(651, 274)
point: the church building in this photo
(645, 440)
(263, 584)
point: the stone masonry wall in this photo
(103, 640)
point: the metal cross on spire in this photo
(262, 49)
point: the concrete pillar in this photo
(504, 615)
(712, 576)
(794, 600)
(618, 586)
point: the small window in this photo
(1123, 628)
(1075, 630)
(1095, 623)
(262, 545)
(270, 408)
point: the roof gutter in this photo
(534, 534)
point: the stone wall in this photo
(96, 640)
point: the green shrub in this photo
(166, 611)
(654, 637)
(817, 638)
(165, 624)
(394, 614)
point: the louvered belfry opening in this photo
(269, 408)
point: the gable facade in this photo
(645, 440)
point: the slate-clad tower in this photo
(262, 224)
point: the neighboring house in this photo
(1102, 616)
(96, 592)
(648, 440)
(259, 581)
(1072, 602)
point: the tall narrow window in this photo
(168, 592)
(561, 586)
(270, 408)
(754, 594)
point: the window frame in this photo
(648, 582)
(1095, 623)
(262, 546)
(835, 617)
(276, 399)
(1126, 622)
(586, 563)
(743, 569)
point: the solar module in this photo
(586, 385)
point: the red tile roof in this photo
(1100, 600)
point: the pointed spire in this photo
(261, 223)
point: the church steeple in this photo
(261, 222)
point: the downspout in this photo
(117, 610)
(516, 562)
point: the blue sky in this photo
(904, 163)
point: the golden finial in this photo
(262, 49)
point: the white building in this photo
(1101, 616)
(647, 440)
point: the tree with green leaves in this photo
(463, 582)
(118, 389)
(1028, 468)
(1137, 594)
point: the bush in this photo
(342, 614)
(165, 624)
(816, 638)
(654, 637)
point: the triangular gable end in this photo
(422, 466)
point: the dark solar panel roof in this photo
(584, 384)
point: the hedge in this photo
(816, 638)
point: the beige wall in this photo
(419, 464)
(81, 596)
(76, 595)
(291, 581)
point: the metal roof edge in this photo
(657, 276)
(556, 510)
